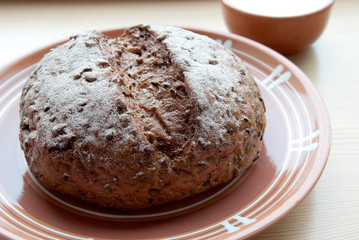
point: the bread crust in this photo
(156, 115)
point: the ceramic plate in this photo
(295, 151)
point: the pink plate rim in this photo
(323, 149)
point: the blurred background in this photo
(49, 21)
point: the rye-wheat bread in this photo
(154, 116)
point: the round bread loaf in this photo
(154, 116)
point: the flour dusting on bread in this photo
(153, 116)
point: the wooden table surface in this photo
(331, 210)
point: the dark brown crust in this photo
(139, 138)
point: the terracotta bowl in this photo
(285, 34)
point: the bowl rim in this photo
(226, 4)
